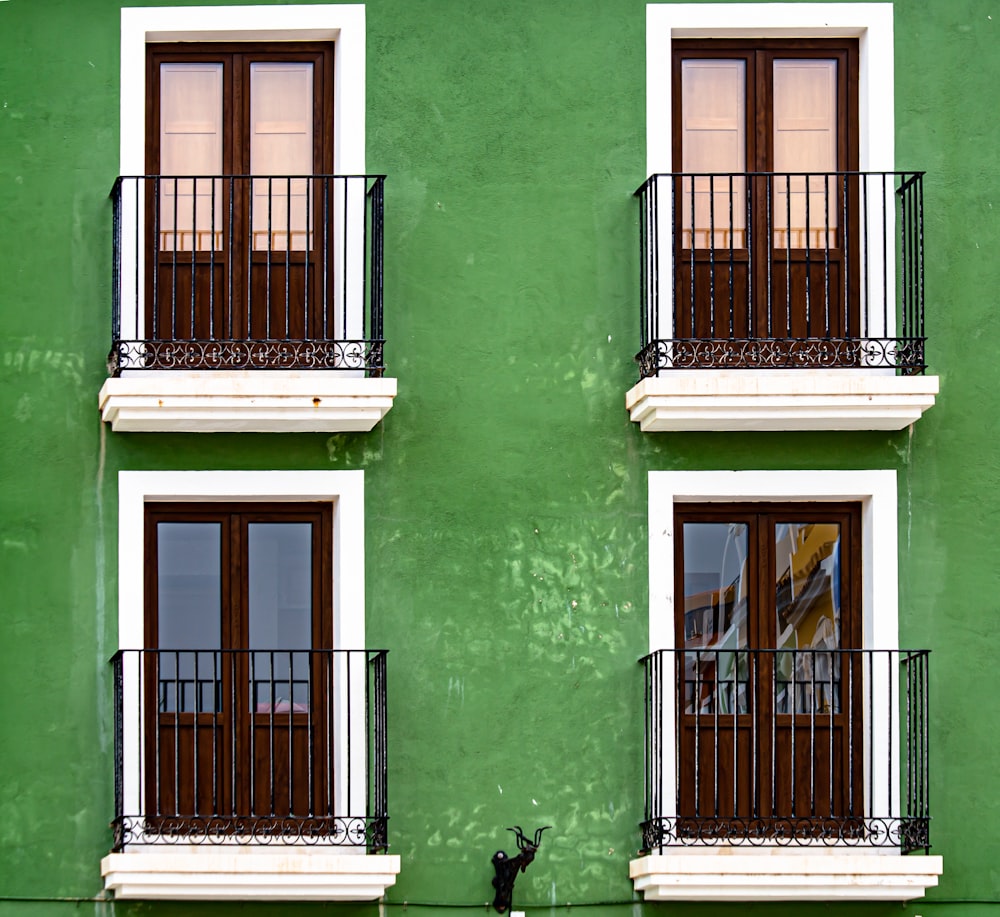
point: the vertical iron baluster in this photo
(696, 710)
(826, 252)
(808, 194)
(194, 252)
(155, 306)
(195, 711)
(679, 711)
(871, 733)
(732, 240)
(211, 270)
(845, 257)
(694, 330)
(711, 262)
(328, 745)
(306, 333)
(326, 254)
(349, 802)
(250, 184)
(812, 706)
(773, 659)
(735, 703)
(791, 704)
(866, 301)
(251, 658)
(310, 734)
(173, 273)
(270, 722)
(269, 255)
(890, 673)
(291, 702)
(885, 258)
(177, 707)
(288, 251)
(853, 658)
(343, 303)
(769, 244)
(832, 702)
(788, 257)
(715, 737)
(643, 268)
(228, 240)
(216, 808)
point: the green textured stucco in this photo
(506, 490)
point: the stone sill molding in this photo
(770, 875)
(248, 874)
(839, 399)
(244, 401)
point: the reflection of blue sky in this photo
(714, 556)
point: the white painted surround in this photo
(254, 401)
(778, 873)
(837, 399)
(218, 871)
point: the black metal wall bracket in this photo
(507, 867)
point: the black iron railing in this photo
(771, 270)
(250, 747)
(247, 272)
(787, 747)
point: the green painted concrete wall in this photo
(506, 491)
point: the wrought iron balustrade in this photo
(786, 747)
(766, 270)
(269, 747)
(248, 272)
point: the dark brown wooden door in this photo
(238, 671)
(237, 252)
(765, 135)
(768, 690)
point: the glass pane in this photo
(189, 615)
(713, 109)
(281, 144)
(190, 145)
(716, 584)
(807, 609)
(280, 579)
(805, 140)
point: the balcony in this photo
(817, 758)
(247, 303)
(250, 774)
(801, 294)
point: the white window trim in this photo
(701, 874)
(876, 492)
(222, 401)
(870, 23)
(248, 872)
(868, 399)
(341, 23)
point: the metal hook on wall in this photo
(507, 867)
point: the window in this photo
(746, 267)
(766, 136)
(770, 678)
(252, 265)
(773, 640)
(239, 668)
(248, 713)
(234, 257)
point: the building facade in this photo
(424, 419)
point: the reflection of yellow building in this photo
(807, 565)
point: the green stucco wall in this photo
(506, 490)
